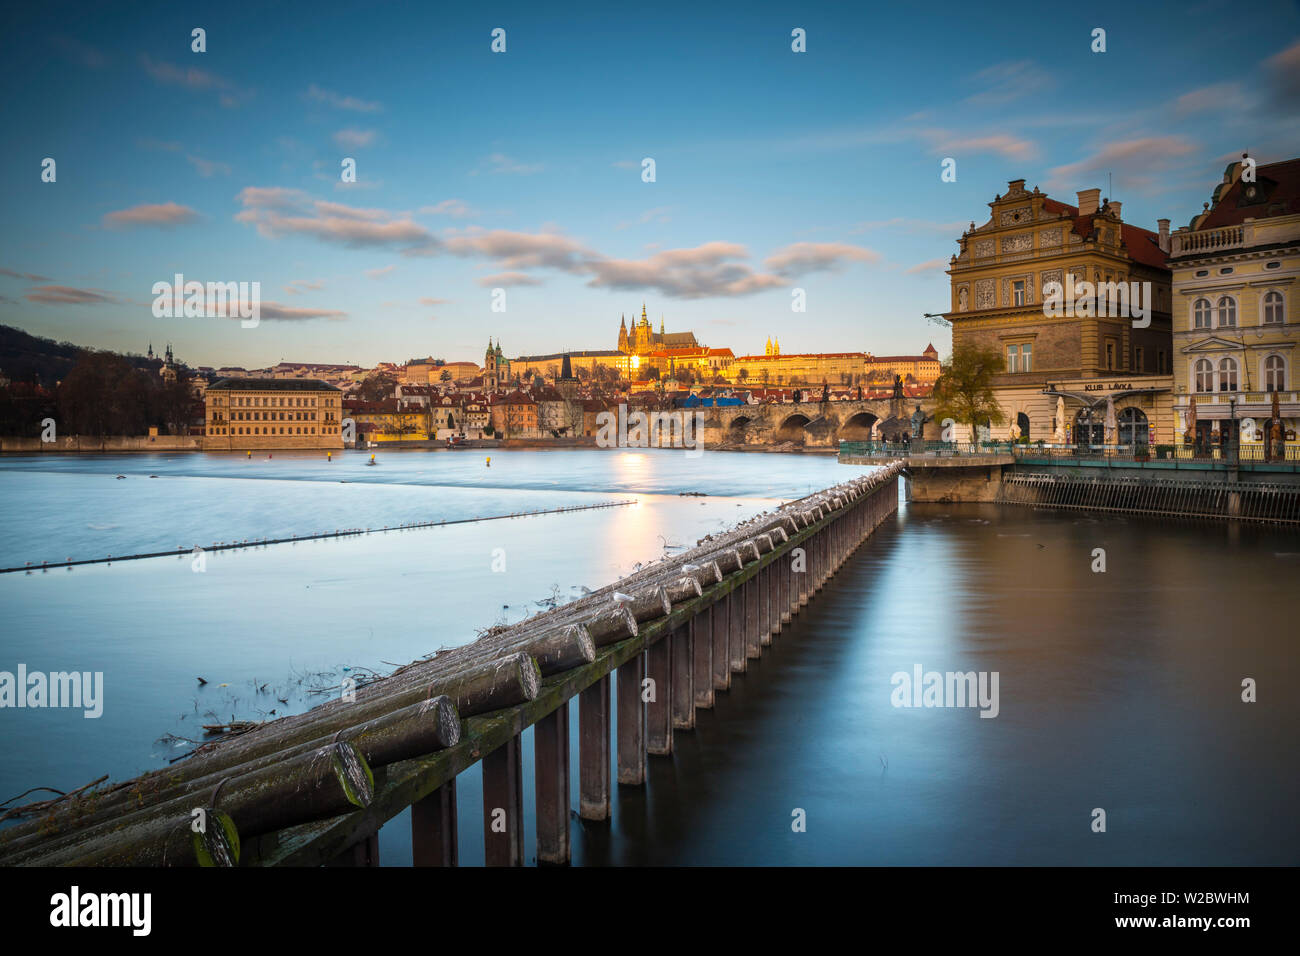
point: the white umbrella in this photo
(1110, 420)
(1060, 420)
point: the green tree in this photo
(964, 391)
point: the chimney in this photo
(1088, 201)
(1164, 234)
(1115, 208)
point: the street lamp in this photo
(1232, 431)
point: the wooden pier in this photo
(313, 789)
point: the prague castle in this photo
(642, 339)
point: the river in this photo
(1118, 690)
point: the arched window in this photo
(1227, 375)
(1204, 375)
(1273, 308)
(1274, 374)
(1227, 312)
(1090, 427)
(1133, 427)
(1202, 313)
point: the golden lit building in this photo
(1091, 355)
(793, 368)
(642, 339)
(1235, 286)
(249, 413)
(922, 369)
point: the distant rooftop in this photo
(271, 385)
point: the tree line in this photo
(102, 394)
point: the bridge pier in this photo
(659, 709)
(433, 828)
(683, 667)
(722, 642)
(503, 805)
(593, 751)
(551, 777)
(631, 723)
(753, 645)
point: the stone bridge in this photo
(815, 424)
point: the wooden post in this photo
(702, 634)
(736, 628)
(801, 577)
(778, 591)
(722, 643)
(765, 606)
(433, 828)
(753, 640)
(593, 751)
(684, 664)
(631, 722)
(659, 709)
(551, 774)
(365, 852)
(503, 805)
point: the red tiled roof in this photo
(1143, 245)
(1279, 188)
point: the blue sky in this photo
(522, 170)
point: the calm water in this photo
(1118, 690)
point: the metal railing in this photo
(888, 450)
(1201, 457)
(1271, 502)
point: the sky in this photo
(522, 170)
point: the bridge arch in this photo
(858, 427)
(792, 429)
(738, 428)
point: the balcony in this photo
(1205, 242)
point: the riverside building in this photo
(1235, 274)
(256, 413)
(1082, 361)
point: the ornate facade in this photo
(1236, 267)
(1001, 279)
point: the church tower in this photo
(490, 377)
(767, 349)
(622, 334)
